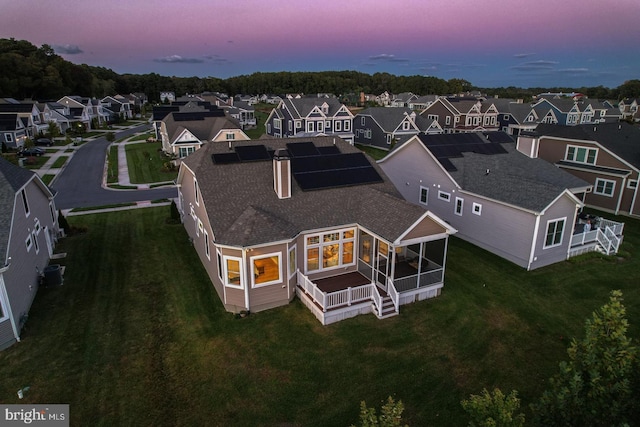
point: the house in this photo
(313, 217)
(167, 96)
(13, 132)
(403, 99)
(28, 112)
(522, 209)
(310, 116)
(456, 114)
(421, 102)
(384, 99)
(244, 113)
(116, 109)
(606, 155)
(384, 127)
(28, 232)
(79, 110)
(182, 132)
(514, 116)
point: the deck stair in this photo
(388, 309)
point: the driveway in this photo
(79, 185)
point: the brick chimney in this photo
(282, 174)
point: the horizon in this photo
(489, 44)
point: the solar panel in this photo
(332, 179)
(225, 158)
(329, 149)
(302, 149)
(328, 162)
(252, 153)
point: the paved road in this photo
(79, 185)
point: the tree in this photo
(110, 136)
(390, 415)
(493, 409)
(596, 386)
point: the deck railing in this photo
(615, 240)
(616, 227)
(393, 294)
(329, 300)
(583, 238)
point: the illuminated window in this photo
(330, 250)
(266, 269)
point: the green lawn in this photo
(374, 152)
(112, 165)
(59, 162)
(137, 336)
(261, 112)
(146, 164)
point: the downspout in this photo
(246, 280)
(622, 188)
(534, 242)
(5, 298)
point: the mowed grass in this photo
(138, 336)
(146, 163)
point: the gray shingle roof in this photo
(621, 138)
(12, 179)
(301, 107)
(389, 118)
(244, 209)
(513, 178)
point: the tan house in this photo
(313, 217)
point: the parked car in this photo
(33, 151)
(44, 141)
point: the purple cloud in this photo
(67, 49)
(177, 59)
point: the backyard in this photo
(148, 164)
(136, 335)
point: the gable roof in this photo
(8, 122)
(512, 177)
(301, 107)
(622, 139)
(12, 179)
(204, 126)
(244, 209)
(388, 118)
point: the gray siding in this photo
(6, 334)
(562, 208)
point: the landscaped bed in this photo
(138, 336)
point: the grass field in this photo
(146, 164)
(112, 166)
(137, 336)
(261, 112)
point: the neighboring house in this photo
(384, 99)
(629, 109)
(116, 109)
(522, 209)
(28, 112)
(310, 116)
(455, 114)
(514, 116)
(53, 112)
(28, 230)
(13, 132)
(313, 217)
(79, 110)
(605, 155)
(403, 99)
(421, 102)
(182, 133)
(384, 127)
(244, 113)
(167, 96)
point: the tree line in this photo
(31, 72)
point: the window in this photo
(363, 121)
(35, 242)
(330, 250)
(319, 126)
(459, 206)
(25, 202)
(554, 233)
(290, 126)
(347, 125)
(442, 195)
(268, 128)
(8, 137)
(233, 272)
(292, 261)
(219, 257)
(433, 117)
(185, 151)
(389, 138)
(266, 269)
(505, 117)
(28, 242)
(447, 120)
(581, 154)
(424, 195)
(36, 226)
(206, 245)
(477, 209)
(405, 125)
(604, 187)
(309, 126)
(196, 192)
(633, 184)
(367, 134)
(298, 124)
(231, 136)
(338, 125)
(276, 123)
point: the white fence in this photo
(329, 300)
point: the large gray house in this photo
(313, 217)
(28, 230)
(522, 209)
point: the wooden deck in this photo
(340, 282)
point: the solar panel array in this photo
(243, 154)
(447, 146)
(317, 168)
(196, 115)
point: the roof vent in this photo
(487, 172)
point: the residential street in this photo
(80, 183)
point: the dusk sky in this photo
(490, 43)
